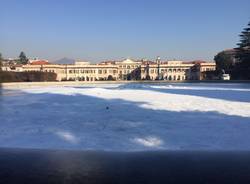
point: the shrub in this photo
(32, 76)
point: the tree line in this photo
(236, 62)
(22, 59)
(30, 76)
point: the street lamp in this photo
(158, 61)
(147, 71)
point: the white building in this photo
(127, 69)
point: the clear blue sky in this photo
(114, 29)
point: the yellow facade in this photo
(125, 70)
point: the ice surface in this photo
(127, 117)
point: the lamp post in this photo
(158, 61)
(147, 71)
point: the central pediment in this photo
(128, 61)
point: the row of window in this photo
(128, 66)
(49, 71)
(207, 69)
(105, 71)
(171, 78)
(93, 71)
(167, 70)
(81, 71)
(125, 71)
(89, 78)
(178, 77)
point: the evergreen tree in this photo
(224, 62)
(243, 54)
(22, 58)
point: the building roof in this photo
(196, 62)
(40, 62)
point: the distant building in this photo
(127, 69)
(9, 61)
(200, 68)
(12, 68)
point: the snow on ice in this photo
(127, 117)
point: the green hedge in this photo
(31, 76)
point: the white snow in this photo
(127, 117)
(67, 136)
(156, 100)
(199, 88)
(149, 141)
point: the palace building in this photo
(127, 69)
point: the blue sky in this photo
(114, 29)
